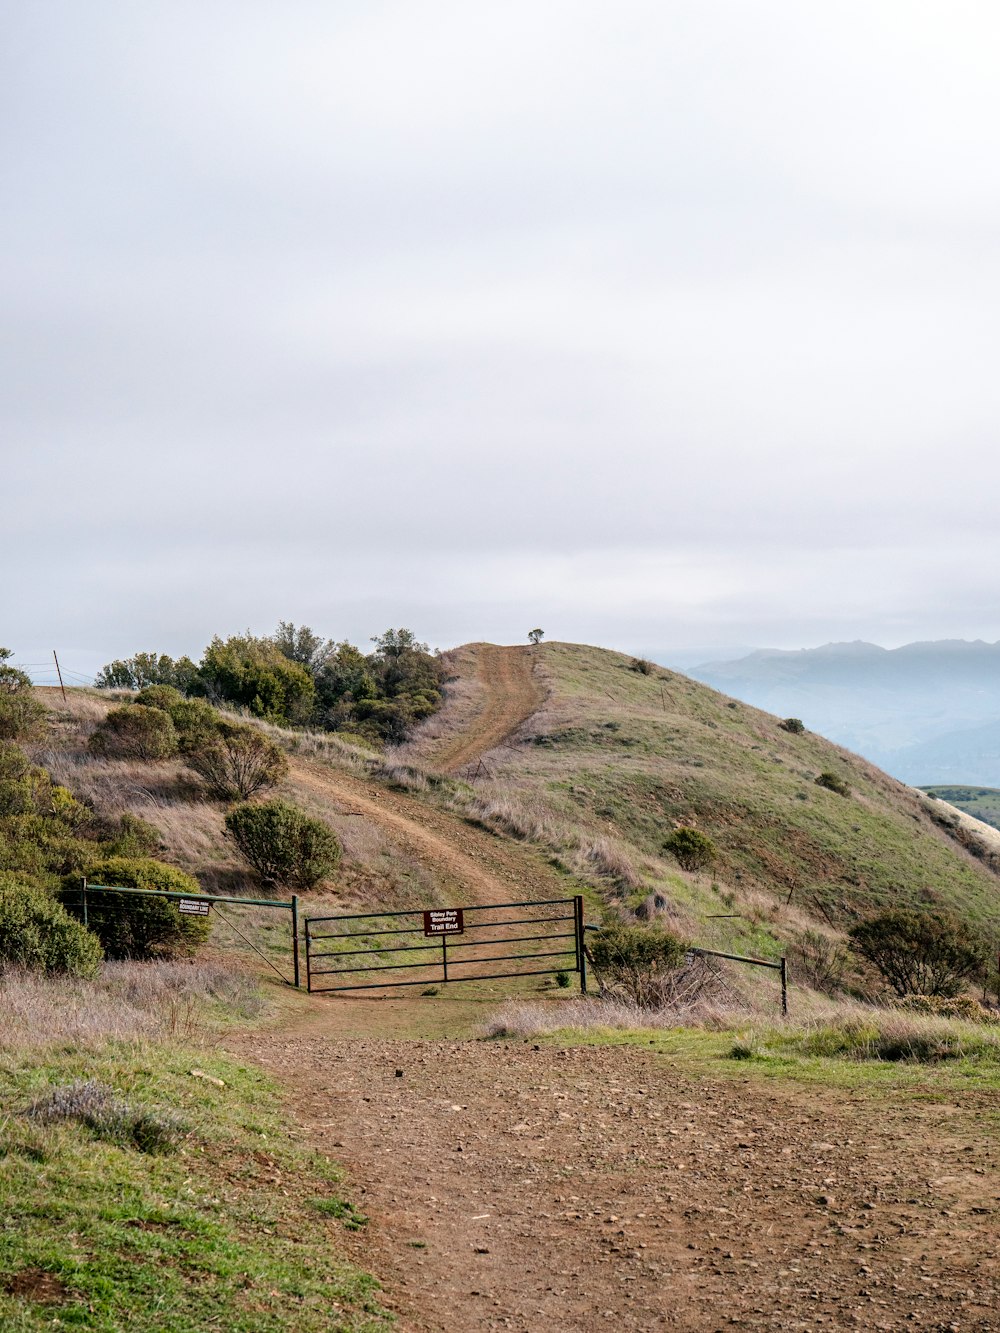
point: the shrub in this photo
(159, 696)
(920, 953)
(955, 1006)
(643, 666)
(22, 717)
(820, 962)
(793, 724)
(256, 675)
(283, 844)
(237, 761)
(94, 1104)
(634, 960)
(131, 925)
(132, 837)
(135, 732)
(37, 933)
(196, 723)
(833, 783)
(692, 849)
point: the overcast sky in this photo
(657, 324)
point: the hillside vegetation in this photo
(980, 802)
(623, 753)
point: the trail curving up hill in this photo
(470, 863)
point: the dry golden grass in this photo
(128, 1001)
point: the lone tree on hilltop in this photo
(536, 635)
(920, 953)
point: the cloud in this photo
(675, 321)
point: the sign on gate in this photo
(444, 921)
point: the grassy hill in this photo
(618, 758)
(979, 802)
(612, 761)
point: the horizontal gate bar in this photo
(508, 957)
(196, 896)
(533, 902)
(490, 976)
(453, 943)
(389, 967)
(477, 907)
(361, 934)
(513, 939)
(452, 962)
(397, 948)
(417, 930)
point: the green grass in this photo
(979, 802)
(220, 1232)
(808, 1054)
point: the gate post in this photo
(85, 902)
(784, 987)
(295, 939)
(581, 957)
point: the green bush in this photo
(135, 732)
(159, 696)
(793, 724)
(920, 953)
(37, 933)
(195, 722)
(833, 783)
(131, 925)
(237, 761)
(634, 961)
(22, 717)
(132, 837)
(39, 821)
(283, 844)
(692, 849)
(256, 675)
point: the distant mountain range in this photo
(926, 713)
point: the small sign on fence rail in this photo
(194, 907)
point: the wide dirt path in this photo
(470, 863)
(512, 1186)
(511, 693)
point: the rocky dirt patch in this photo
(515, 1186)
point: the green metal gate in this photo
(480, 942)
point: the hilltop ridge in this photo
(614, 759)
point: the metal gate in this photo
(345, 953)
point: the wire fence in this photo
(45, 673)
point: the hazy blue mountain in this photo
(926, 712)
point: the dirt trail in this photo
(511, 695)
(465, 861)
(517, 1187)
